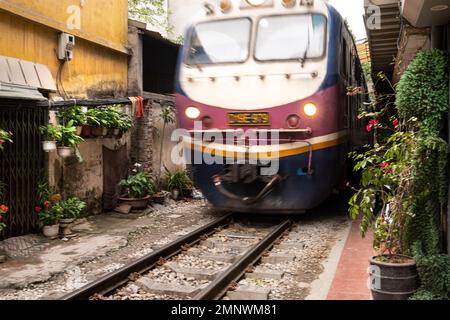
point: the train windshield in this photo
(220, 42)
(290, 37)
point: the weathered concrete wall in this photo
(412, 40)
(142, 139)
(167, 144)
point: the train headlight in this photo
(293, 121)
(192, 113)
(310, 109)
(256, 3)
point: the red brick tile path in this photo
(350, 280)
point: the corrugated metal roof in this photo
(383, 41)
(26, 73)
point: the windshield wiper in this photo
(305, 55)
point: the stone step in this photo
(169, 289)
(261, 273)
(275, 258)
(200, 274)
(249, 293)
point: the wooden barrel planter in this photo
(393, 281)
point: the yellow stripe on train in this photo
(266, 152)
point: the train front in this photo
(260, 107)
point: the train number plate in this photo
(248, 119)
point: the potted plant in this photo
(68, 140)
(382, 202)
(138, 189)
(51, 134)
(3, 210)
(97, 121)
(179, 182)
(49, 216)
(72, 209)
(75, 114)
(5, 136)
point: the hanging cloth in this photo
(140, 108)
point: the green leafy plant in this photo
(109, 117)
(179, 180)
(50, 132)
(5, 136)
(75, 114)
(50, 213)
(138, 185)
(68, 136)
(72, 208)
(410, 187)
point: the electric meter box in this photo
(66, 45)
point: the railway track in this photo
(232, 247)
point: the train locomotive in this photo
(261, 95)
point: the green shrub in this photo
(74, 114)
(72, 208)
(138, 185)
(423, 89)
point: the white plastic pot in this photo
(65, 152)
(49, 146)
(51, 231)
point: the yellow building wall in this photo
(99, 69)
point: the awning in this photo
(383, 41)
(22, 79)
(14, 91)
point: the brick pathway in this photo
(350, 281)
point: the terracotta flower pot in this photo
(159, 198)
(86, 131)
(136, 204)
(99, 132)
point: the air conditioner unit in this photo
(66, 45)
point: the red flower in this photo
(372, 124)
(2, 141)
(1, 218)
(38, 209)
(396, 123)
(385, 167)
(46, 204)
(4, 208)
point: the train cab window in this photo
(291, 37)
(224, 41)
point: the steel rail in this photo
(219, 287)
(120, 277)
